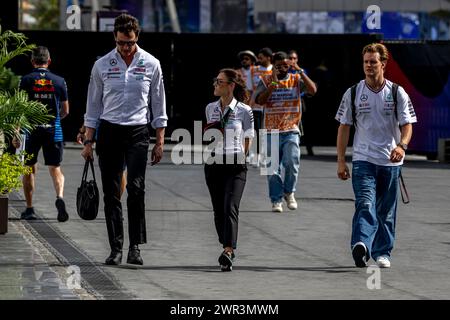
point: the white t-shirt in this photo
(377, 128)
(238, 126)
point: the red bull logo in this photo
(43, 82)
(43, 85)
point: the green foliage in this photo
(8, 80)
(12, 167)
(17, 111)
(12, 45)
(47, 14)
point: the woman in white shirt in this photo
(227, 172)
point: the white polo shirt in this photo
(238, 126)
(377, 128)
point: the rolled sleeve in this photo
(94, 106)
(157, 100)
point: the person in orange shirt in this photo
(280, 93)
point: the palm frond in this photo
(12, 44)
(17, 111)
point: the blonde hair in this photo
(377, 47)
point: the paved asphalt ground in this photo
(301, 254)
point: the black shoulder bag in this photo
(219, 125)
(87, 194)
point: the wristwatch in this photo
(86, 142)
(404, 146)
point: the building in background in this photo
(403, 19)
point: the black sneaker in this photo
(359, 253)
(63, 216)
(226, 261)
(29, 214)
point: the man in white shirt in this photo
(125, 95)
(383, 118)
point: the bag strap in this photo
(91, 162)
(86, 169)
(394, 97)
(403, 190)
(224, 119)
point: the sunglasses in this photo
(219, 81)
(126, 43)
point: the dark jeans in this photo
(118, 146)
(226, 184)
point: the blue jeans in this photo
(376, 191)
(289, 160)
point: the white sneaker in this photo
(277, 207)
(383, 262)
(290, 200)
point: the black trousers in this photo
(226, 184)
(118, 146)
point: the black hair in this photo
(280, 55)
(126, 23)
(267, 52)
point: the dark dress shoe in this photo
(114, 259)
(134, 255)
(226, 260)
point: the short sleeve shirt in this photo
(377, 131)
(238, 126)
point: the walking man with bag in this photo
(125, 95)
(382, 114)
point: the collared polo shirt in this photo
(238, 126)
